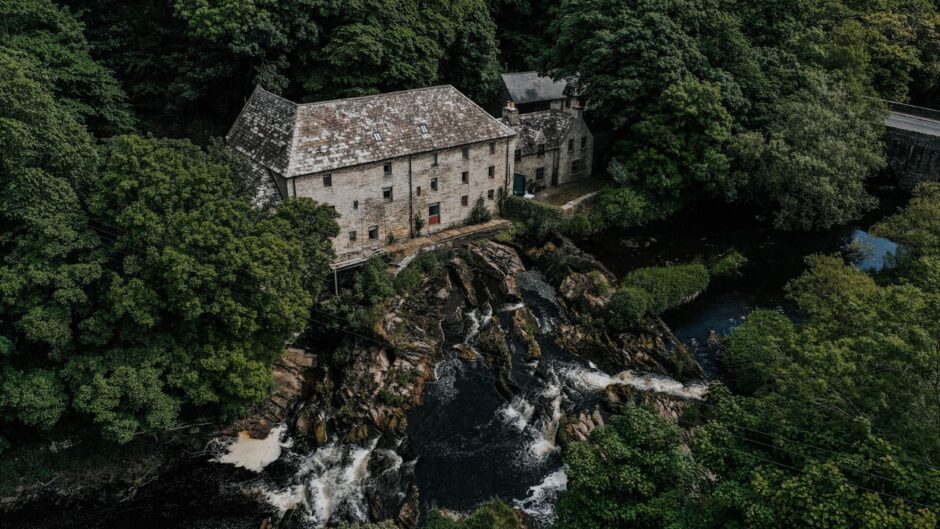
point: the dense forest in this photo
(140, 283)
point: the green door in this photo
(518, 184)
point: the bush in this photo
(727, 264)
(622, 207)
(757, 349)
(580, 225)
(479, 214)
(373, 284)
(539, 219)
(494, 514)
(514, 230)
(669, 286)
(627, 306)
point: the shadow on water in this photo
(774, 258)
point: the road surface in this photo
(903, 121)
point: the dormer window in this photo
(377, 136)
(423, 129)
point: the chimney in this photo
(511, 113)
(577, 108)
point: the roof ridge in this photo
(351, 98)
(487, 114)
(263, 89)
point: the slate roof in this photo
(550, 126)
(295, 139)
(530, 87)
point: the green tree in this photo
(48, 254)
(677, 146)
(809, 163)
(53, 37)
(632, 472)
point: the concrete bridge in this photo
(912, 143)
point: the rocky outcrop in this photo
(290, 380)
(584, 287)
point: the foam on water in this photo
(334, 477)
(517, 412)
(255, 454)
(445, 378)
(540, 503)
(596, 380)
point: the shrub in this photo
(580, 225)
(757, 349)
(514, 230)
(479, 214)
(373, 284)
(669, 286)
(622, 207)
(407, 280)
(539, 219)
(627, 306)
(728, 264)
(494, 514)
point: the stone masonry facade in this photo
(389, 164)
(553, 147)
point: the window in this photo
(583, 142)
(434, 213)
(491, 172)
(423, 129)
(465, 177)
(492, 147)
(540, 173)
(387, 169)
(466, 153)
(575, 166)
(568, 103)
(387, 194)
(373, 233)
(328, 180)
(490, 194)
(434, 160)
(434, 184)
(464, 200)
(352, 236)
(571, 145)
(419, 191)
(541, 149)
(355, 204)
(377, 136)
(518, 154)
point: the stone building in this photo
(533, 92)
(393, 165)
(553, 147)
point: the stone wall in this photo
(562, 158)
(912, 157)
(578, 130)
(357, 193)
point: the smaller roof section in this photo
(547, 126)
(533, 87)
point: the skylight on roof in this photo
(423, 129)
(377, 136)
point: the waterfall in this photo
(332, 482)
(596, 380)
(540, 503)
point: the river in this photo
(467, 443)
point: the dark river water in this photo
(774, 258)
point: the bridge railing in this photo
(913, 110)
